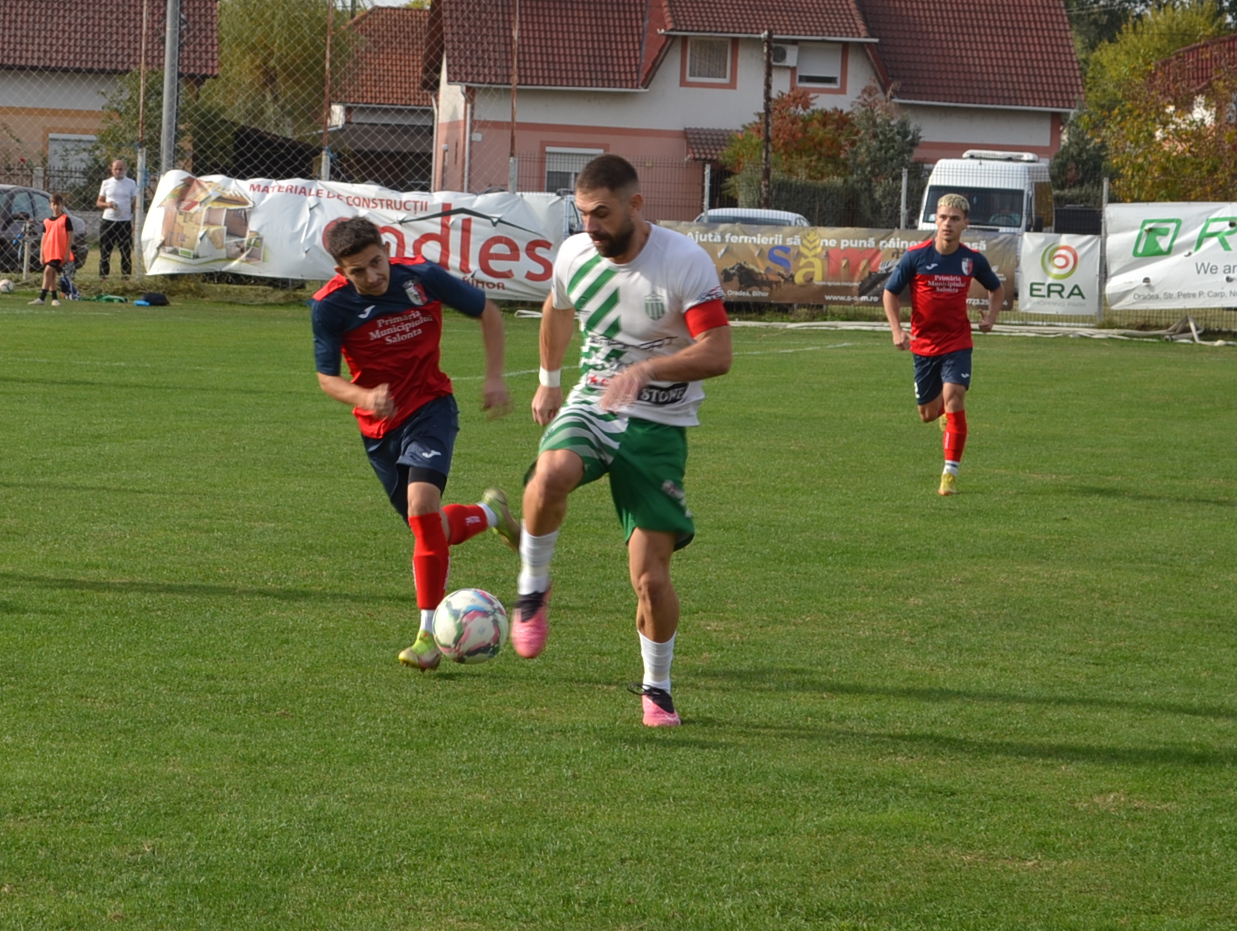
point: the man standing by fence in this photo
(116, 196)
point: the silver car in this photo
(19, 205)
(753, 216)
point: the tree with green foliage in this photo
(884, 146)
(272, 63)
(1118, 68)
(272, 72)
(1116, 95)
(1175, 141)
(1095, 22)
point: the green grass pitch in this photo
(1012, 709)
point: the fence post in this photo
(1103, 282)
(27, 236)
(708, 184)
(139, 215)
(37, 177)
(171, 88)
(906, 175)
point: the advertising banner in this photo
(503, 243)
(1060, 274)
(825, 265)
(1178, 256)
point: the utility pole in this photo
(324, 170)
(171, 87)
(513, 162)
(766, 159)
(139, 205)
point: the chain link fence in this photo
(345, 90)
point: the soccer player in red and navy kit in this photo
(939, 273)
(385, 316)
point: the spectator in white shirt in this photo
(116, 197)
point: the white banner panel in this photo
(504, 243)
(1172, 256)
(1059, 274)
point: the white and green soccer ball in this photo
(470, 626)
(6, 286)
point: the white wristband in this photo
(550, 379)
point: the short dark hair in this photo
(57, 198)
(612, 172)
(348, 237)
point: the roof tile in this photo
(89, 35)
(705, 145)
(386, 69)
(1018, 53)
(563, 43)
(1195, 67)
(839, 19)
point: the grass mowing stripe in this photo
(1011, 709)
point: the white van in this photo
(1009, 192)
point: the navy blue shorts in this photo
(418, 450)
(931, 373)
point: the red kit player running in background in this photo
(385, 316)
(939, 274)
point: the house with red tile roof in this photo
(60, 59)
(670, 80)
(1194, 69)
(382, 126)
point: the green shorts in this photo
(645, 461)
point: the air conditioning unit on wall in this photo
(785, 56)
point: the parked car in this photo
(753, 216)
(19, 204)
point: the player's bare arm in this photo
(893, 313)
(557, 325)
(494, 395)
(995, 300)
(377, 400)
(709, 356)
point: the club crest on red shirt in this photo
(416, 293)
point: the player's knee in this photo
(556, 475)
(651, 583)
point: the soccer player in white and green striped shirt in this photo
(649, 304)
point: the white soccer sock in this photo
(490, 517)
(427, 621)
(535, 556)
(951, 467)
(657, 659)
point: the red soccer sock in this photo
(954, 440)
(429, 559)
(466, 520)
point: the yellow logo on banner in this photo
(810, 265)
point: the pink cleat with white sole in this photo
(530, 627)
(658, 706)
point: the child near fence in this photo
(54, 251)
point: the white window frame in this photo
(819, 65)
(565, 160)
(692, 43)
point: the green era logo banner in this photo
(1171, 256)
(1156, 237)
